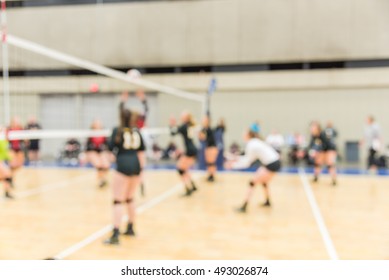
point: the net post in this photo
(6, 97)
(205, 105)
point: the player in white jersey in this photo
(257, 149)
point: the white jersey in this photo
(276, 141)
(256, 150)
(373, 135)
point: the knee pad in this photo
(117, 202)
(251, 184)
(9, 180)
(264, 185)
(211, 164)
(129, 200)
(181, 171)
(100, 169)
(330, 166)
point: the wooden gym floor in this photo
(61, 213)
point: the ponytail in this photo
(191, 121)
(127, 121)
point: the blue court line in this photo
(287, 170)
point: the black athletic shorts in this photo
(330, 147)
(274, 166)
(210, 145)
(33, 145)
(128, 165)
(191, 153)
(372, 158)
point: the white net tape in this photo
(60, 134)
(100, 69)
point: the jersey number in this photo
(191, 132)
(131, 142)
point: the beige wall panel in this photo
(207, 32)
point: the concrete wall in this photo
(207, 32)
(292, 111)
(286, 101)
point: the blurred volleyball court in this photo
(61, 99)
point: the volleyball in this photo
(134, 73)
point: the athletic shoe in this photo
(194, 188)
(187, 193)
(113, 240)
(130, 231)
(103, 184)
(8, 195)
(266, 204)
(211, 179)
(242, 209)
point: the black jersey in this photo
(126, 150)
(188, 134)
(33, 144)
(330, 134)
(318, 142)
(210, 140)
(33, 126)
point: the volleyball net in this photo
(65, 94)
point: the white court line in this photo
(51, 187)
(100, 233)
(318, 217)
(91, 238)
(48, 187)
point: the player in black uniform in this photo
(330, 155)
(186, 161)
(317, 148)
(219, 132)
(126, 142)
(207, 135)
(140, 122)
(97, 154)
(33, 144)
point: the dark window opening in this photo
(326, 65)
(286, 66)
(312, 65)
